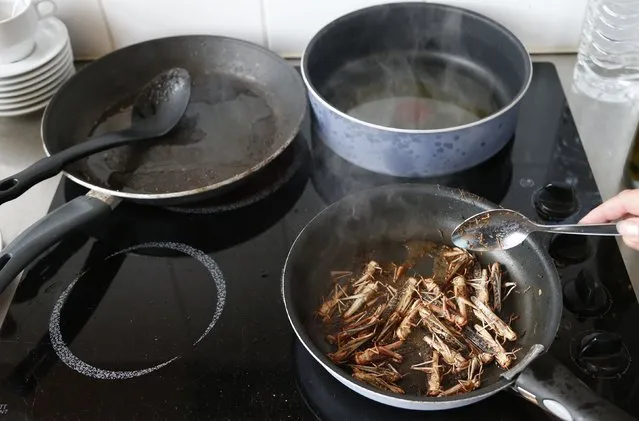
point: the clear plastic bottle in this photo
(608, 58)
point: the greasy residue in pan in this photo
(228, 128)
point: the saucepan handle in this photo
(35, 240)
(550, 385)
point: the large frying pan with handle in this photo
(398, 213)
(246, 107)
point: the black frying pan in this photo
(395, 214)
(247, 105)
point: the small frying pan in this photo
(246, 107)
(334, 239)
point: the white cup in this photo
(18, 26)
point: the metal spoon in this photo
(158, 107)
(501, 229)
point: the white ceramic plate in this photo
(28, 109)
(51, 37)
(26, 78)
(44, 80)
(60, 77)
(46, 94)
(52, 68)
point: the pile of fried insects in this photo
(374, 318)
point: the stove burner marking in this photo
(74, 363)
(526, 182)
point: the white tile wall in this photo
(543, 25)
(132, 21)
(285, 26)
(87, 27)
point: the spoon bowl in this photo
(498, 229)
(502, 229)
(162, 102)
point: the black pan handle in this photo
(39, 237)
(551, 386)
(13, 186)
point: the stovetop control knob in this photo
(555, 201)
(585, 296)
(601, 354)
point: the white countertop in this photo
(606, 131)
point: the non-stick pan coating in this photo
(246, 106)
(398, 213)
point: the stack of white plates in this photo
(28, 85)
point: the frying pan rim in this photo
(505, 31)
(422, 401)
(200, 190)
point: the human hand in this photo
(623, 208)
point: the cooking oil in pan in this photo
(227, 128)
(418, 93)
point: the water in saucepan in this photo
(423, 92)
